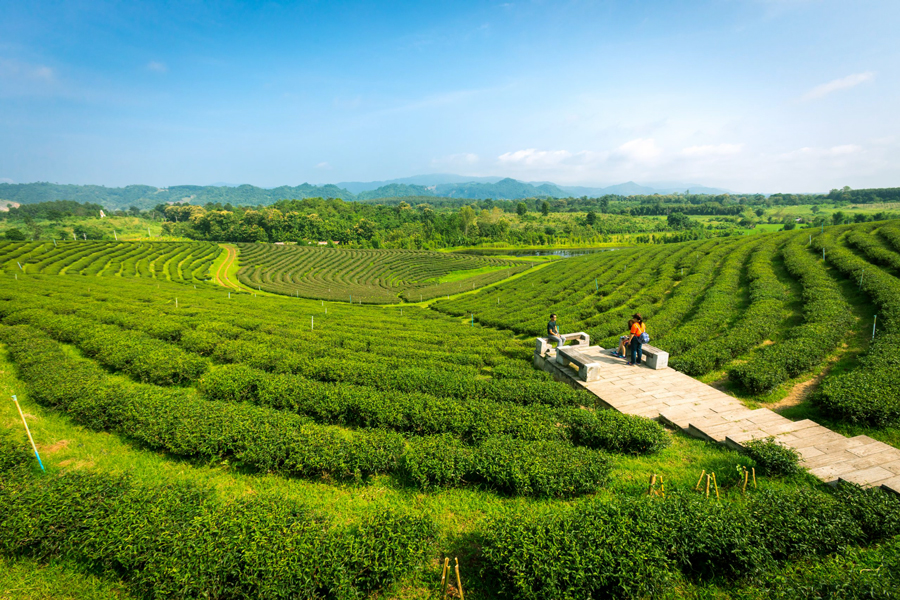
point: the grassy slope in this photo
(64, 445)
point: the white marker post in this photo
(149, 235)
(54, 243)
(115, 234)
(176, 302)
(873, 326)
(229, 295)
(312, 323)
(30, 439)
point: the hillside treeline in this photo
(506, 194)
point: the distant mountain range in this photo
(460, 186)
(437, 185)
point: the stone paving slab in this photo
(705, 412)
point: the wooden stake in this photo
(754, 477)
(699, 481)
(444, 576)
(652, 481)
(707, 486)
(662, 487)
(716, 485)
(746, 477)
(459, 582)
(28, 431)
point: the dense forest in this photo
(430, 222)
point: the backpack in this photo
(644, 338)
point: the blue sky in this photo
(750, 95)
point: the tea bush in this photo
(178, 541)
(175, 421)
(633, 547)
(773, 458)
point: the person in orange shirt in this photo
(634, 342)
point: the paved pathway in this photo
(704, 412)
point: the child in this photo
(620, 352)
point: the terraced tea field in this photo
(206, 443)
(754, 313)
(184, 262)
(368, 276)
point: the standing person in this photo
(635, 342)
(553, 332)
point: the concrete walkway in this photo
(704, 412)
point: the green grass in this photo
(25, 579)
(461, 275)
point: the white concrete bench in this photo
(542, 345)
(654, 357)
(588, 368)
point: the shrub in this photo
(550, 469)
(615, 432)
(773, 457)
(14, 454)
(177, 541)
(437, 460)
(601, 549)
(631, 547)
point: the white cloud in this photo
(157, 67)
(844, 83)
(323, 165)
(712, 150)
(638, 150)
(535, 158)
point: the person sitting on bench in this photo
(623, 341)
(553, 333)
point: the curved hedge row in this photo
(634, 547)
(175, 421)
(717, 308)
(827, 319)
(755, 324)
(369, 276)
(182, 262)
(179, 542)
(137, 354)
(868, 394)
(421, 414)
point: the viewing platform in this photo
(702, 411)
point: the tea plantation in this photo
(368, 276)
(756, 314)
(183, 262)
(206, 443)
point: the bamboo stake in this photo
(707, 486)
(699, 481)
(754, 477)
(716, 485)
(652, 481)
(28, 431)
(444, 576)
(662, 487)
(746, 477)
(459, 582)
